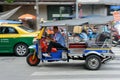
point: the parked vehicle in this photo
(116, 40)
(94, 55)
(15, 38)
(116, 36)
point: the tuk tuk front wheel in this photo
(32, 60)
(93, 62)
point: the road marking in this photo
(108, 71)
(100, 72)
(82, 79)
(112, 66)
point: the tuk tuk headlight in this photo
(35, 41)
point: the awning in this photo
(111, 2)
(27, 16)
(7, 14)
(102, 2)
(89, 1)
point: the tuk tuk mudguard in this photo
(103, 53)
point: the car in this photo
(16, 38)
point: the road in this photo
(16, 68)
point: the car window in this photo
(2, 29)
(27, 29)
(12, 30)
(8, 30)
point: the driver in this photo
(58, 41)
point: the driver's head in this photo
(55, 29)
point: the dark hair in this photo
(84, 31)
(55, 27)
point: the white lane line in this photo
(110, 66)
(83, 79)
(55, 73)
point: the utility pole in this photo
(37, 15)
(77, 9)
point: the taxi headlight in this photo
(35, 41)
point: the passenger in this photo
(83, 35)
(90, 33)
(105, 29)
(58, 41)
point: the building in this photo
(47, 8)
(56, 9)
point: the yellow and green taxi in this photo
(15, 38)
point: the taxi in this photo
(15, 38)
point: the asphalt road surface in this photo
(16, 68)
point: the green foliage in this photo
(9, 1)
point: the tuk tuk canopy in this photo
(71, 22)
(82, 21)
(99, 20)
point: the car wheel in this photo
(93, 62)
(32, 59)
(21, 49)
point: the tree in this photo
(9, 1)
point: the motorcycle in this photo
(116, 40)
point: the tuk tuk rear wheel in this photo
(93, 62)
(32, 61)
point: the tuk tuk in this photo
(94, 55)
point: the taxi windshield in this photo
(27, 29)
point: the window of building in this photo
(59, 12)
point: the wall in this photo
(43, 11)
(27, 9)
(101, 10)
(94, 10)
(87, 10)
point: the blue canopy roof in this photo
(115, 7)
(10, 21)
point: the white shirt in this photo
(117, 27)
